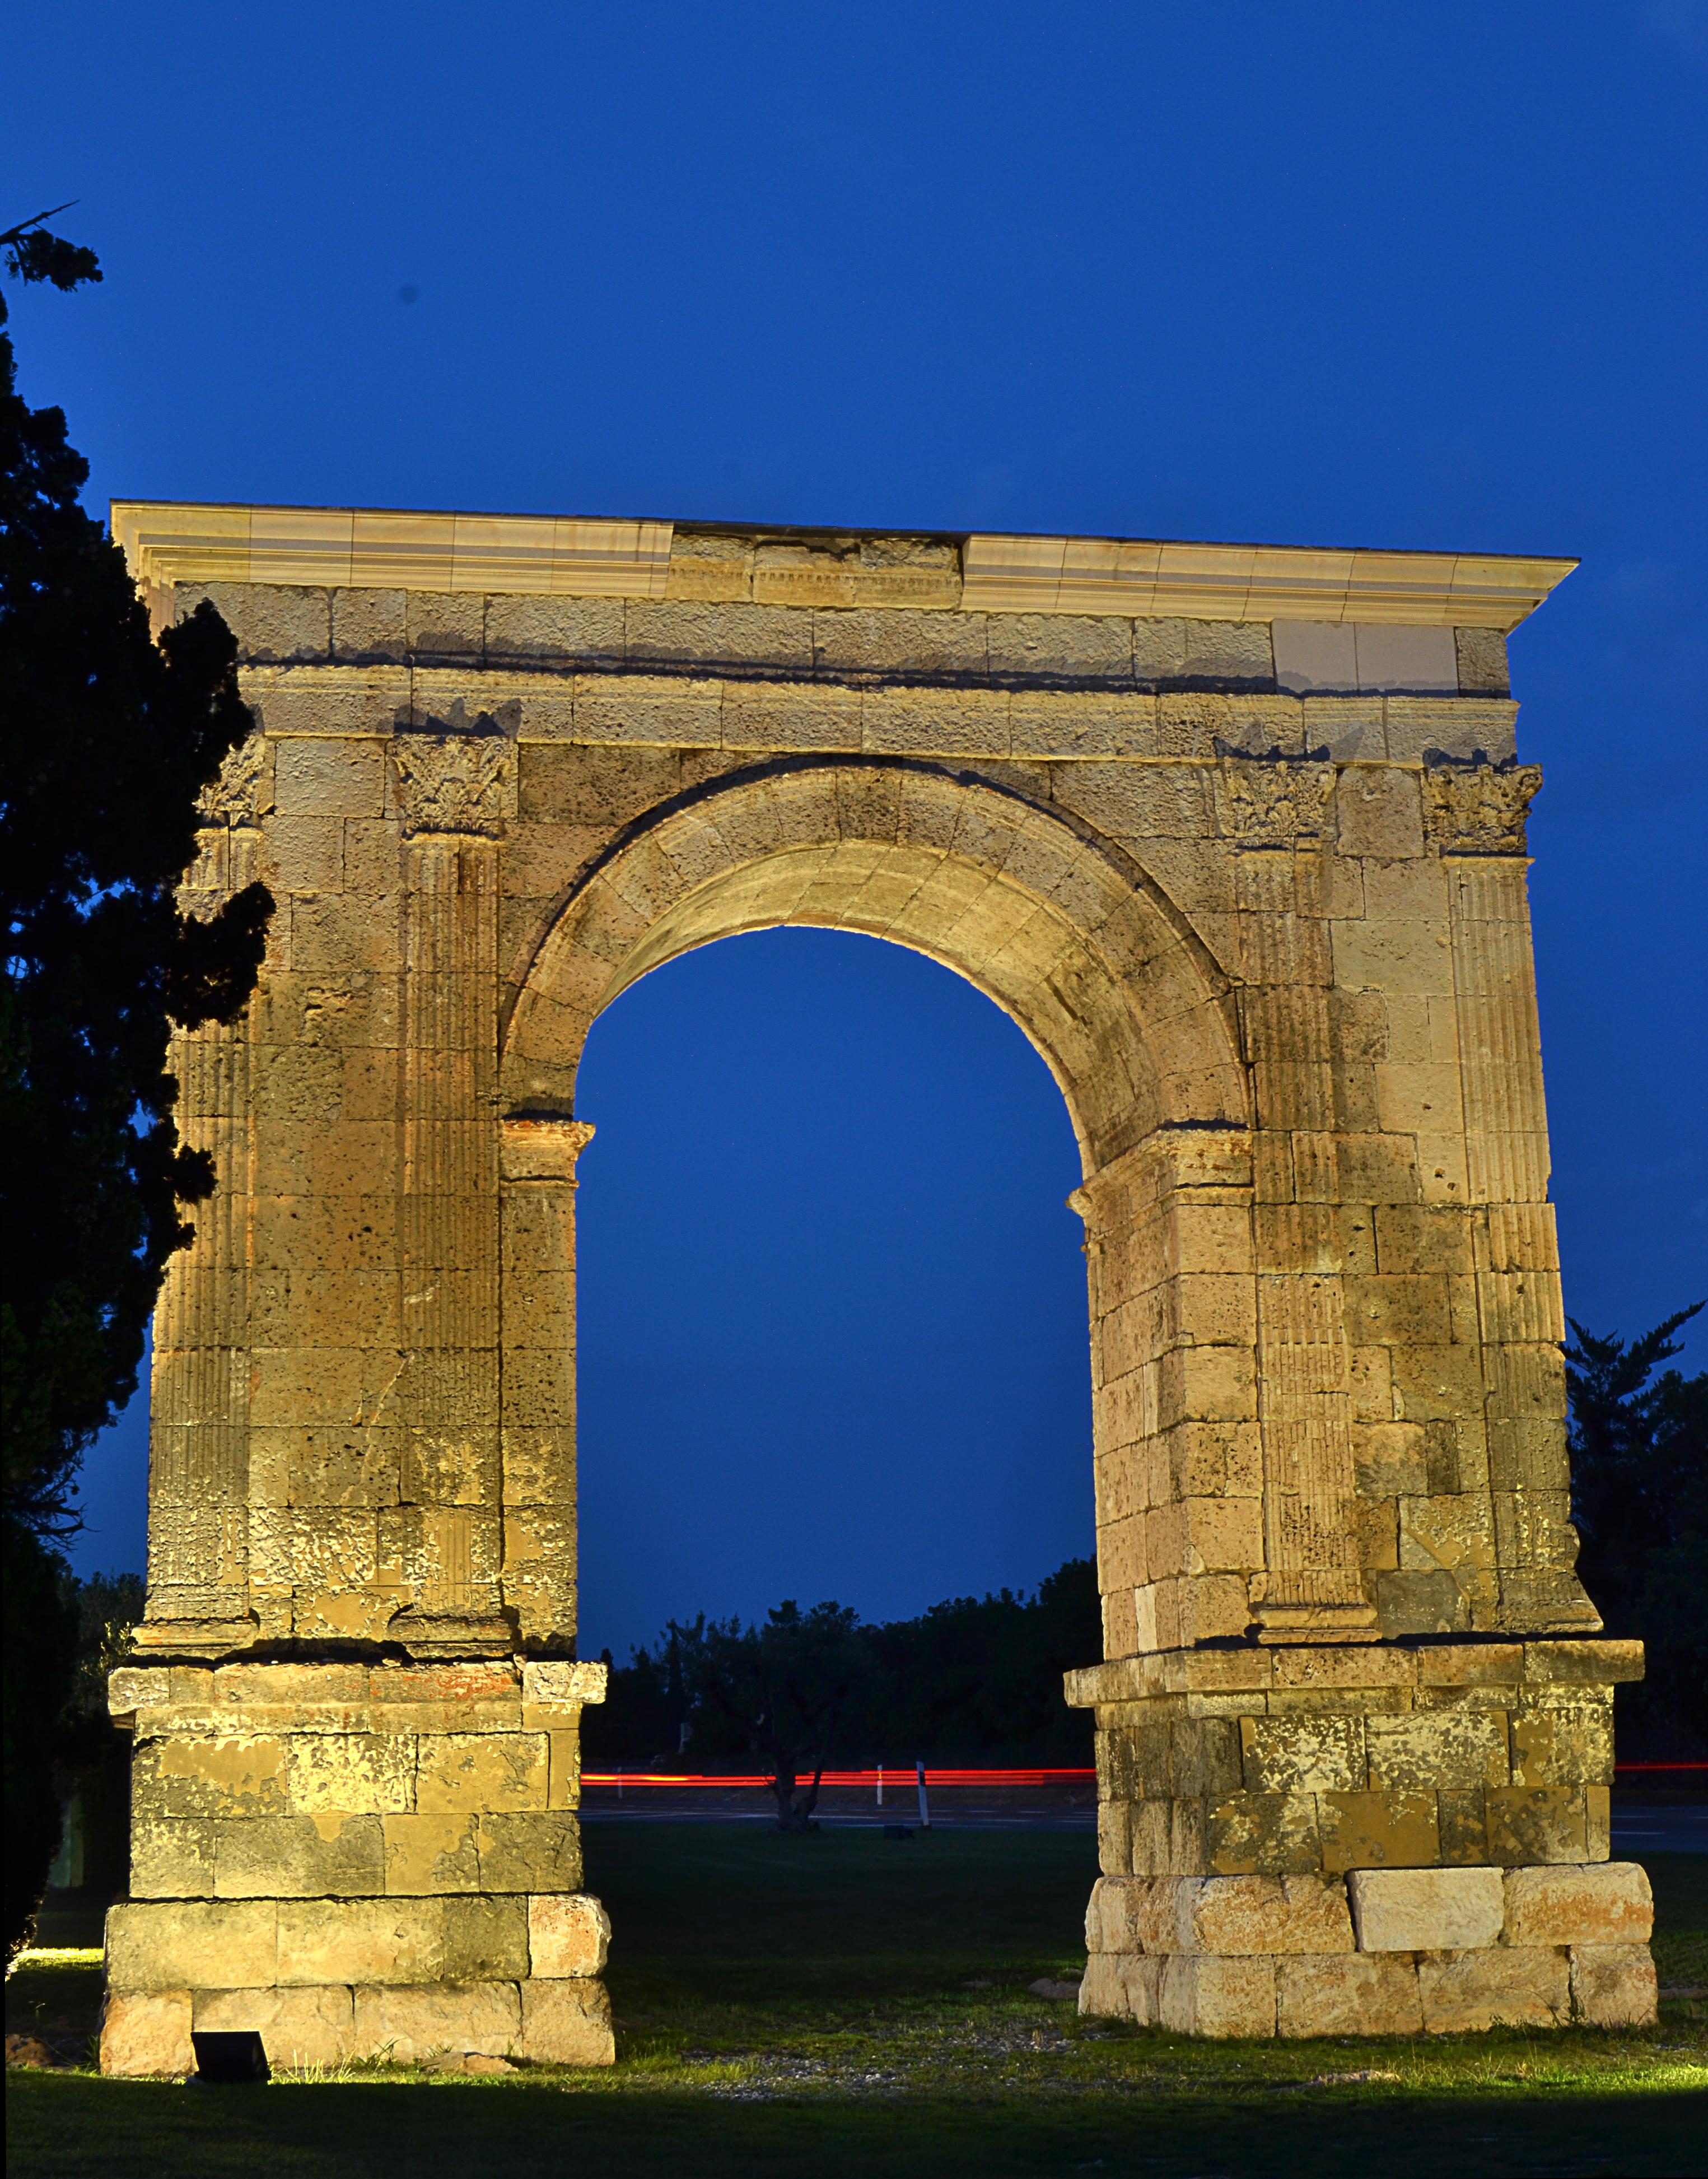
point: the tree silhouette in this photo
(1640, 1500)
(107, 741)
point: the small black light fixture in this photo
(229, 2057)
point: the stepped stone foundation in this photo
(1236, 835)
(359, 1862)
(1350, 1840)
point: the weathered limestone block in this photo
(1563, 1747)
(1209, 1996)
(1602, 1903)
(459, 1771)
(527, 627)
(567, 1934)
(1347, 1993)
(1537, 1824)
(1065, 646)
(400, 1941)
(146, 2033)
(1122, 1915)
(563, 1768)
(1122, 1986)
(403, 2025)
(143, 1688)
(1614, 1985)
(175, 1945)
(352, 1773)
(1481, 656)
(172, 1857)
(298, 1857)
(1497, 1986)
(568, 2023)
(1115, 1837)
(1269, 1833)
(370, 627)
(297, 2028)
(1389, 1830)
(241, 1776)
(1261, 1915)
(426, 1855)
(271, 620)
(1427, 1910)
(529, 1851)
(1303, 1755)
(1438, 1748)
(445, 624)
(1204, 1756)
(1237, 1916)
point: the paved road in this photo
(1679, 1829)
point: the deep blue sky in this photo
(1427, 277)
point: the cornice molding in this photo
(362, 548)
(1156, 579)
(168, 542)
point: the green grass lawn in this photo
(850, 2004)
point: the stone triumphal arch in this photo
(1237, 835)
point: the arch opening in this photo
(831, 1328)
(1079, 948)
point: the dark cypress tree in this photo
(1640, 1500)
(106, 741)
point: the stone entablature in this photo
(1236, 836)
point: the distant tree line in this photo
(977, 1679)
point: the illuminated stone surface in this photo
(1236, 835)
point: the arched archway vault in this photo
(1065, 932)
(1236, 835)
(1061, 929)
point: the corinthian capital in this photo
(239, 795)
(1273, 801)
(454, 782)
(1471, 807)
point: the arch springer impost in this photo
(541, 1148)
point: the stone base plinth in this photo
(1324, 1758)
(562, 2023)
(357, 1861)
(1377, 1952)
(324, 1981)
